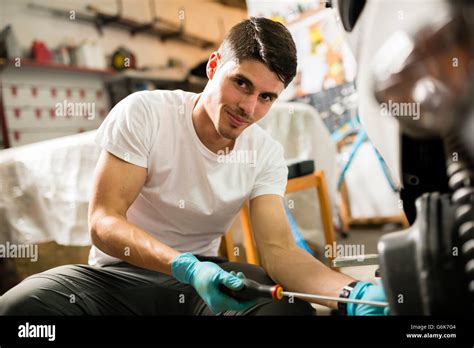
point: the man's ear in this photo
(212, 64)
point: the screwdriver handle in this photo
(252, 290)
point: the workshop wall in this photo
(54, 30)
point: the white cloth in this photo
(191, 194)
(45, 189)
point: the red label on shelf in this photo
(17, 112)
(16, 135)
(54, 92)
(68, 92)
(34, 91)
(14, 90)
(82, 93)
(52, 113)
(38, 113)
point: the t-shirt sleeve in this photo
(272, 177)
(127, 131)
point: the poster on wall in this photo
(325, 60)
(324, 57)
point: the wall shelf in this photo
(158, 27)
(26, 62)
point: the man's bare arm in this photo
(287, 264)
(117, 184)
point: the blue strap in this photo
(296, 232)
(386, 171)
(361, 137)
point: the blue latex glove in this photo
(368, 292)
(205, 277)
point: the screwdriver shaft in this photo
(330, 298)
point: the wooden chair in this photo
(315, 180)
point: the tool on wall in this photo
(122, 59)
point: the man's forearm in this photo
(117, 237)
(296, 270)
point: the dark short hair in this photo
(264, 40)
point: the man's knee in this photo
(23, 300)
(19, 305)
(36, 295)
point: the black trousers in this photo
(124, 289)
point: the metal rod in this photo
(321, 297)
(359, 260)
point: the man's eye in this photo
(266, 98)
(241, 83)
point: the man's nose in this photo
(247, 104)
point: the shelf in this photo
(25, 62)
(150, 75)
(158, 27)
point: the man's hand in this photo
(205, 277)
(368, 292)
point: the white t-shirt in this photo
(191, 195)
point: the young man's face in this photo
(238, 95)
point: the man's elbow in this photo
(93, 223)
(271, 256)
(100, 224)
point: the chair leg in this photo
(326, 211)
(227, 245)
(249, 244)
(345, 209)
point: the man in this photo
(164, 194)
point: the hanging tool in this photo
(252, 290)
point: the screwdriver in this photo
(252, 290)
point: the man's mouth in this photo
(236, 120)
